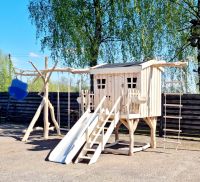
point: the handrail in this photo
(96, 111)
(134, 97)
(91, 119)
(107, 118)
(113, 108)
(100, 105)
(84, 115)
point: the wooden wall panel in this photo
(151, 89)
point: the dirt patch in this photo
(21, 161)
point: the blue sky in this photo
(18, 35)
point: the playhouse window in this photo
(101, 83)
(131, 82)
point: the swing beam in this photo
(45, 104)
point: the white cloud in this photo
(33, 55)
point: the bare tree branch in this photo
(190, 6)
(184, 46)
(193, 13)
(110, 39)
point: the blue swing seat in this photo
(18, 89)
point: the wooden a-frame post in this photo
(45, 103)
(46, 97)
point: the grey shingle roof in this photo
(115, 65)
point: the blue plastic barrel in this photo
(18, 89)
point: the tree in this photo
(89, 30)
(6, 72)
(188, 36)
(85, 31)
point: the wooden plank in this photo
(170, 64)
(117, 70)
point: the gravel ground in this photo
(21, 161)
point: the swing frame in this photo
(45, 74)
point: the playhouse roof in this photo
(116, 65)
(122, 67)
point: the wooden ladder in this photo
(167, 130)
(97, 140)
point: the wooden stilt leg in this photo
(31, 125)
(46, 107)
(131, 139)
(132, 124)
(152, 122)
(153, 132)
(117, 131)
(53, 118)
(46, 119)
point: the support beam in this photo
(170, 64)
(46, 107)
(117, 130)
(45, 104)
(152, 122)
(132, 124)
(53, 118)
(35, 118)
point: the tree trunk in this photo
(94, 49)
(94, 57)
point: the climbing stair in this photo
(168, 131)
(97, 140)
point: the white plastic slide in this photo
(68, 147)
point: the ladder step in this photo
(110, 120)
(173, 105)
(94, 143)
(170, 136)
(89, 150)
(172, 130)
(94, 133)
(173, 94)
(85, 157)
(168, 141)
(173, 117)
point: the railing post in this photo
(102, 141)
(161, 123)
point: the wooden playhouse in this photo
(139, 85)
(141, 80)
(122, 94)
